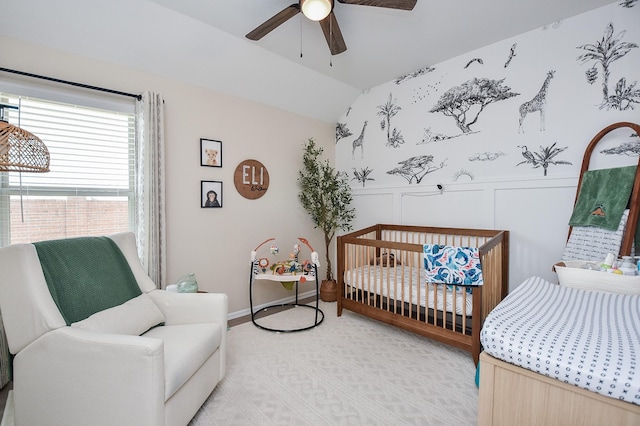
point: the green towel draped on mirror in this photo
(603, 197)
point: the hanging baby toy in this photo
(290, 267)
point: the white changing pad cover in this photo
(585, 338)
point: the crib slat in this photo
(454, 301)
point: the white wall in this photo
(215, 244)
(496, 193)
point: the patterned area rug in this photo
(350, 370)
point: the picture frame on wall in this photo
(210, 194)
(210, 153)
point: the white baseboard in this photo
(290, 299)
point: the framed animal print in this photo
(210, 153)
(210, 193)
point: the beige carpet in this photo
(348, 371)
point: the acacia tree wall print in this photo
(464, 103)
(416, 168)
(604, 52)
(388, 111)
(631, 149)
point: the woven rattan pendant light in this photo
(20, 151)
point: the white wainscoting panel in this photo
(538, 220)
(372, 208)
(535, 212)
(455, 208)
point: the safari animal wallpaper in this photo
(521, 108)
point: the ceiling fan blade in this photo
(332, 33)
(274, 22)
(391, 4)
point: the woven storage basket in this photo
(571, 274)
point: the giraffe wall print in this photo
(357, 142)
(538, 103)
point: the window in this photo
(89, 190)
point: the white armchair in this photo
(152, 360)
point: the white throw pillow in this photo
(133, 317)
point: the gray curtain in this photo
(150, 186)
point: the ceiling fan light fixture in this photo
(316, 10)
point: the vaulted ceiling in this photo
(203, 41)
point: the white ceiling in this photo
(202, 41)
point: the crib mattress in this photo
(585, 338)
(401, 283)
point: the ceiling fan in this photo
(322, 11)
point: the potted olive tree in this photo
(326, 195)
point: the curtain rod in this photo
(71, 83)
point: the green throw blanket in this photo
(603, 197)
(86, 275)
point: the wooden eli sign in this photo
(251, 179)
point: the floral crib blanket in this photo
(452, 265)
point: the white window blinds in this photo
(89, 190)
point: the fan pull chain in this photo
(301, 37)
(330, 41)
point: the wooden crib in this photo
(381, 276)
